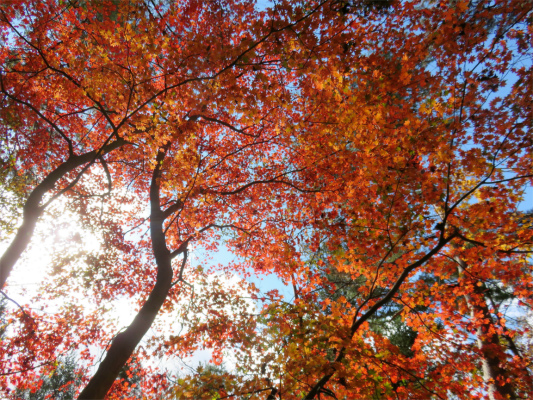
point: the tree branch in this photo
(316, 389)
(33, 209)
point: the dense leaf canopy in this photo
(374, 156)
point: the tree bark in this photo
(33, 210)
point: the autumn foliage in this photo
(374, 156)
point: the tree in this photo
(60, 383)
(399, 132)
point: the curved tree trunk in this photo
(33, 210)
(124, 344)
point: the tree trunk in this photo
(124, 344)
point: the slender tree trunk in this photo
(33, 209)
(488, 342)
(124, 344)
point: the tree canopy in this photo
(374, 156)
